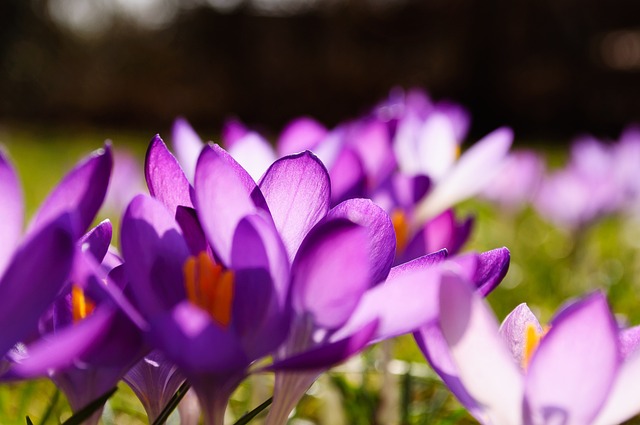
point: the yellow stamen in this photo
(401, 227)
(458, 152)
(81, 306)
(209, 287)
(531, 342)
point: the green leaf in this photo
(29, 420)
(172, 404)
(255, 412)
(79, 417)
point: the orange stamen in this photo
(401, 227)
(81, 306)
(531, 343)
(209, 287)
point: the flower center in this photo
(531, 342)
(209, 287)
(401, 227)
(81, 306)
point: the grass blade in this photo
(172, 404)
(85, 413)
(255, 412)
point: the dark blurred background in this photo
(549, 68)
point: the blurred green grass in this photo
(548, 267)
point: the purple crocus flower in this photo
(83, 341)
(576, 371)
(33, 271)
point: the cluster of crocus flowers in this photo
(599, 179)
(289, 260)
(405, 155)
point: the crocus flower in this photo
(581, 369)
(87, 341)
(210, 315)
(34, 270)
(82, 326)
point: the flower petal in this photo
(165, 179)
(331, 272)
(623, 401)
(297, 190)
(382, 237)
(81, 192)
(189, 338)
(34, 277)
(328, 354)
(434, 347)
(582, 342)
(261, 275)
(224, 194)
(63, 349)
(11, 211)
(474, 169)
(187, 146)
(301, 134)
(484, 363)
(514, 330)
(97, 240)
(254, 154)
(154, 252)
(408, 300)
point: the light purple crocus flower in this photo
(516, 183)
(580, 370)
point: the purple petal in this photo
(81, 192)
(348, 179)
(187, 145)
(190, 338)
(372, 142)
(328, 354)
(629, 340)
(408, 300)
(297, 190)
(331, 272)
(475, 168)
(484, 363)
(254, 154)
(33, 278)
(486, 270)
(187, 218)
(232, 131)
(582, 342)
(165, 179)
(437, 146)
(63, 349)
(261, 271)
(300, 134)
(382, 237)
(434, 347)
(225, 193)
(11, 211)
(514, 330)
(426, 261)
(623, 401)
(97, 240)
(154, 252)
